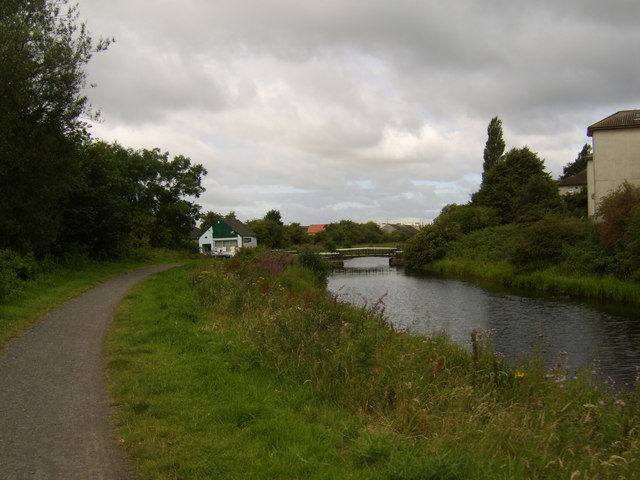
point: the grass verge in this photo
(47, 291)
(234, 369)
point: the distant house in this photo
(226, 236)
(573, 184)
(316, 228)
(616, 155)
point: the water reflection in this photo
(587, 332)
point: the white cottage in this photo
(226, 236)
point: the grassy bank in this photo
(237, 369)
(63, 282)
(549, 281)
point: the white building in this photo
(616, 155)
(226, 236)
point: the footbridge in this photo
(344, 253)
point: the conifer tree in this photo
(494, 148)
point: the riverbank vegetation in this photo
(249, 369)
(518, 230)
(45, 284)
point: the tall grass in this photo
(428, 409)
(597, 287)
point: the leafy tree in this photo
(208, 219)
(130, 199)
(429, 244)
(295, 234)
(274, 215)
(579, 164)
(43, 52)
(517, 185)
(494, 148)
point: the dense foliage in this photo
(64, 193)
(517, 219)
(579, 164)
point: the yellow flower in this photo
(520, 375)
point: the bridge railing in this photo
(365, 252)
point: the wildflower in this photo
(560, 379)
(520, 375)
(620, 403)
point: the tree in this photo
(517, 187)
(494, 148)
(207, 220)
(579, 164)
(43, 52)
(126, 199)
(274, 215)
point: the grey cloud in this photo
(321, 98)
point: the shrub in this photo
(616, 211)
(312, 260)
(14, 270)
(541, 243)
(467, 218)
(429, 245)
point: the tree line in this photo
(273, 233)
(519, 213)
(63, 191)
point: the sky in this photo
(356, 109)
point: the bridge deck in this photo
(363, 252)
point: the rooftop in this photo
(577, 180)
(621, 119)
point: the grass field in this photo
(248, 369)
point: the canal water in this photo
(604, 337)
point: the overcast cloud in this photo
(357, 109)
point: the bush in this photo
(429, 245)
(14, 271)
(312, 260)
(616, 211)
(467, 218)
(541, 244)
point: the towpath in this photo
(54, 407)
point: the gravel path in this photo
(53, 403)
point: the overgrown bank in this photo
(514, 256)
(249, 369)
(558, 253)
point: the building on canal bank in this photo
(226, 236)
(616, 155)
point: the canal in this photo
(604, 337)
